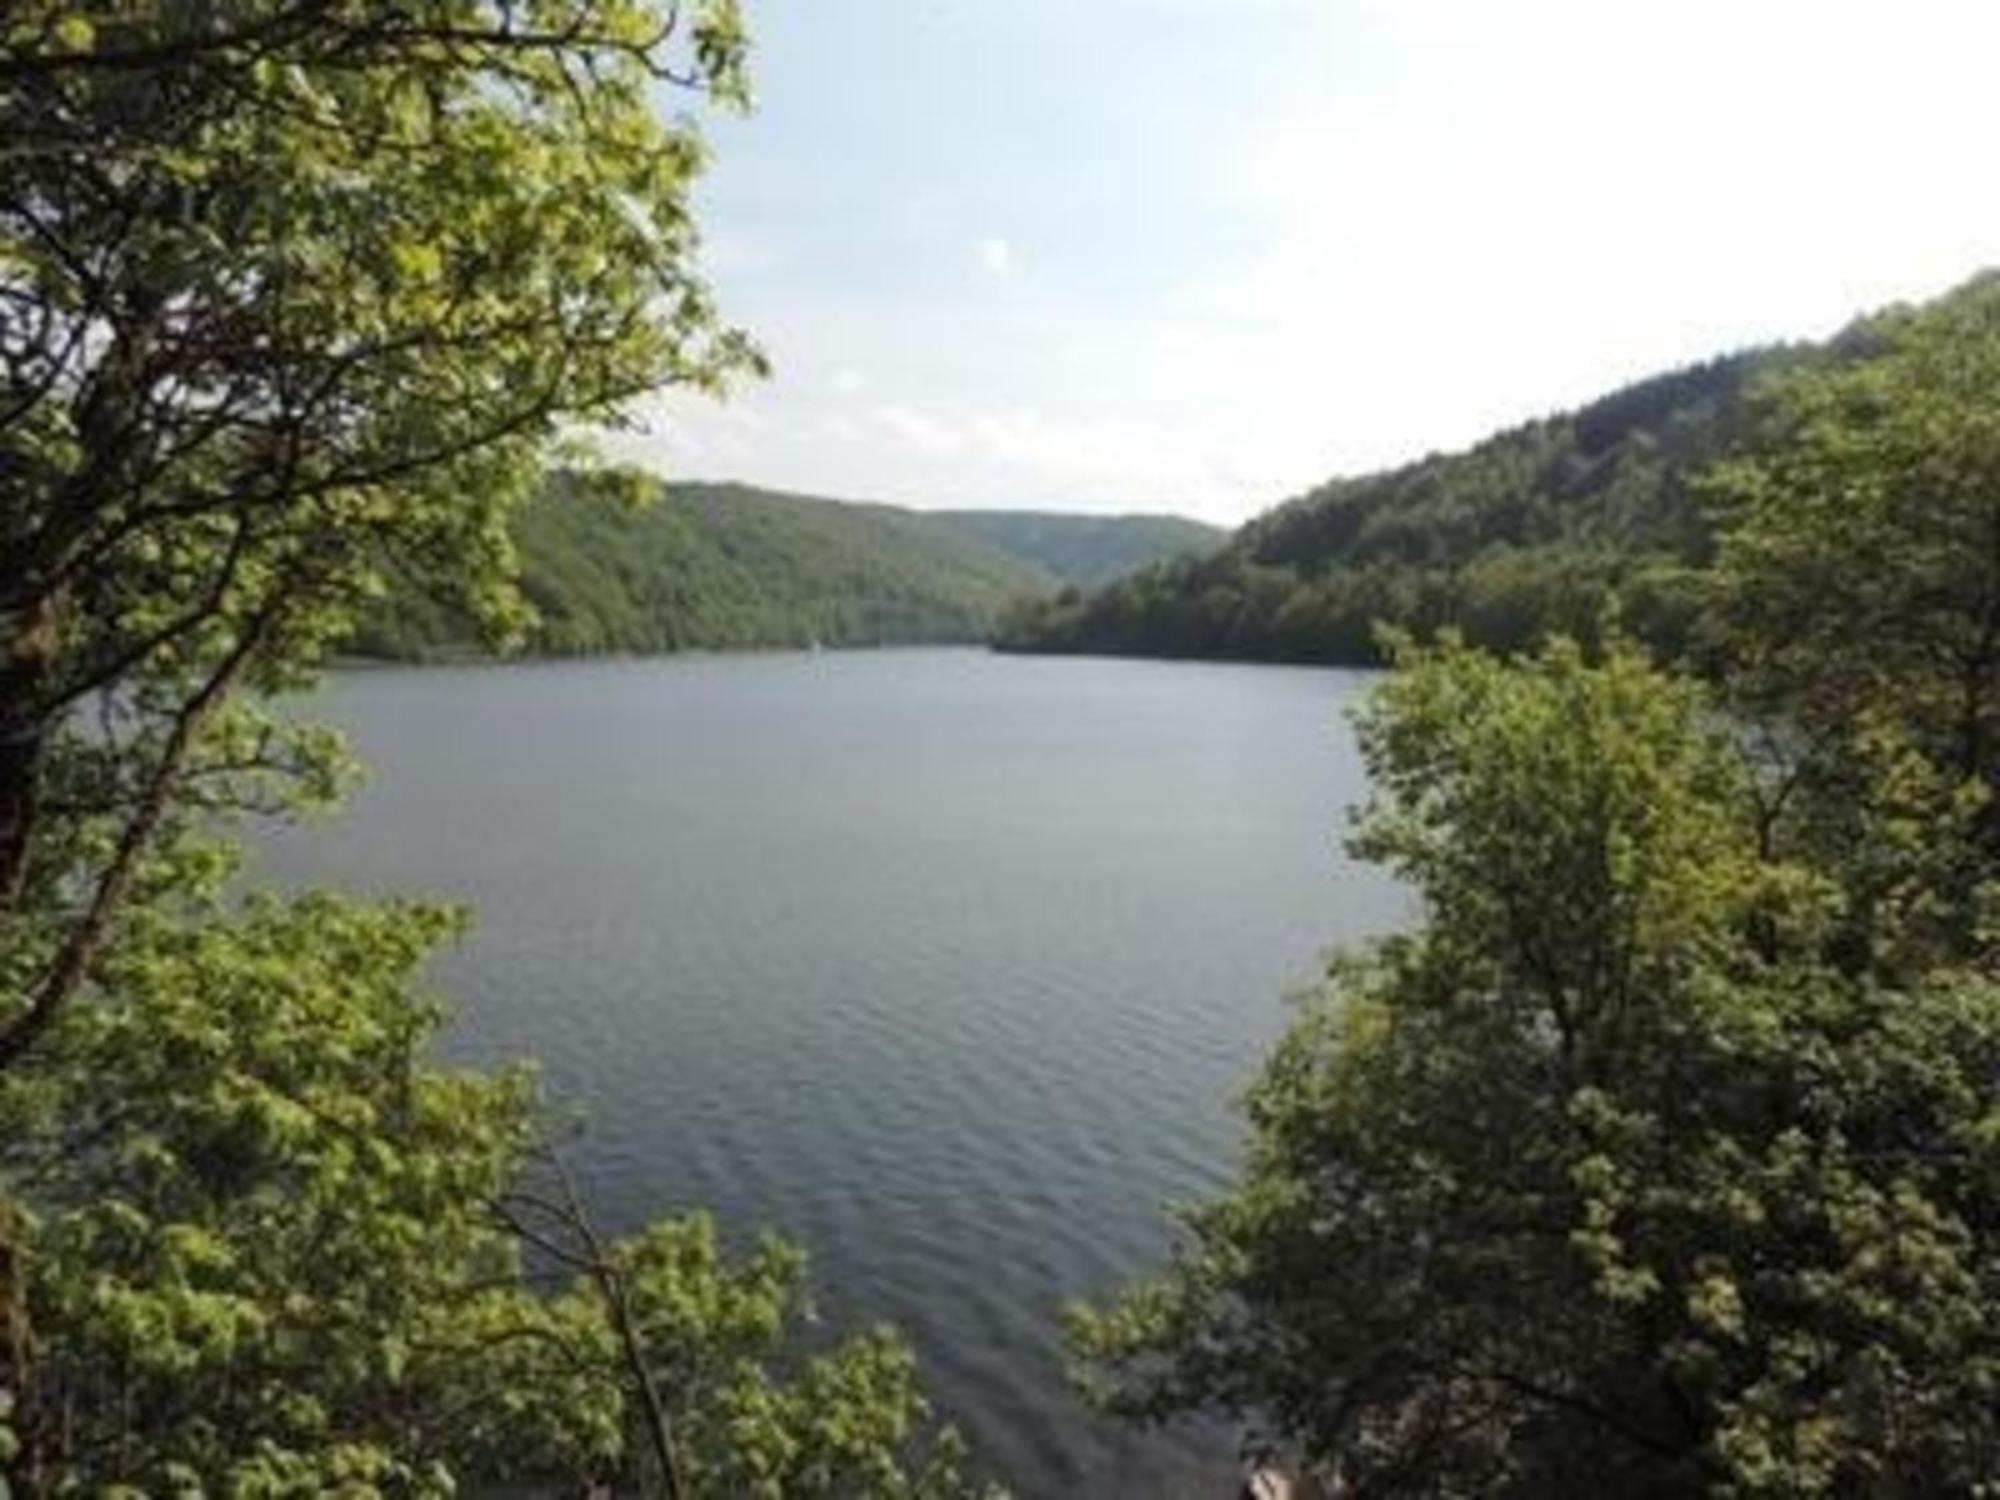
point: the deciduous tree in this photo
(1610, 1178)
(294, 293)
(290, 291)
(277, 1251)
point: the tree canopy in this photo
(1541, 527)
(1660, 1158)
(1607, 1180)
(294, 291)
(705, 566)
(719, 567)
(297, 298)
(277, 1252)
(1860, 564)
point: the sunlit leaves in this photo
(1860, 566)
(296, 298)
(1611, 1177)
(269, 1261)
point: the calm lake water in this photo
(945, 964)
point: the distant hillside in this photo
(1088, 550)
(1533, 529)
(724, 566)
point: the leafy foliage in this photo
(719, 567)
(296, 298)
(1087, 550)
(1537, 529)
(294, 293)
(277, 1253)
(1608, 1180)
(1558, 525)
(696, 566)
(1662, 1158)
(1860, 567)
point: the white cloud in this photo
(918, 430)
(1115, 454)
(1424, 220)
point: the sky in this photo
(1201, 255)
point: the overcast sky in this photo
(1199, 255)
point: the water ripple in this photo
(945, 964)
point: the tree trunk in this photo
(14, 1341)
(27, 662)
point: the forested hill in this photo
(1530, 531)
(722, 566)
(1088, 550)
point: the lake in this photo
(946, 964)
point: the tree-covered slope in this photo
(1533, 529)
(729, 566)
(717, 566)
(1088, 550)
(1654, 1156)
